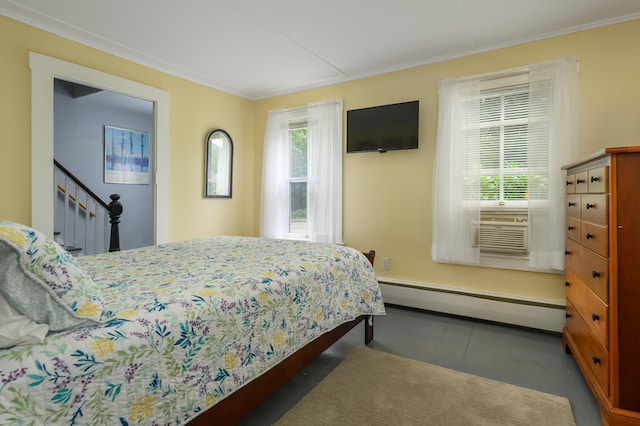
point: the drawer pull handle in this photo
(588, 236)
(567, 283)
(596, 360)
(567, 315)
(571, 228)
(579, 181)
(595, 274)
(590, 206)
(567, 252)
(595, 317)
(594, 179)
(571, 204)
(569, 183)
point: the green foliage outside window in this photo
(299, 152)
(298, 171)
(516, 187)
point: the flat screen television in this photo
(383, 128)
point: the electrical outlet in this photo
(385, 263)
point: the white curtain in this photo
(451, 234)
(553, 116)
(324, 174)
(274, 208)
(324, 171)
(554, 105)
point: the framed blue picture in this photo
(126, 156)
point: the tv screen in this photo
(383, 128)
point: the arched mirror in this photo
(219, 164)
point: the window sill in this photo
(300, 237)
(510, 262)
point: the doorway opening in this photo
(87, 122)
(44, 71)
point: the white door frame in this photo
(44, 70)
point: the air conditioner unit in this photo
(500, 233)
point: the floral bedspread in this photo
(184, 325)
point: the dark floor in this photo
(518, 356)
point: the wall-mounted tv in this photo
(383, 128)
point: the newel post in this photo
(115, 210)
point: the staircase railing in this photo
(89, 224)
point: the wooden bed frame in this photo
(237, 405)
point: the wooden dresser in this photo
(602, 330)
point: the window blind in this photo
(504, 149)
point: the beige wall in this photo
(387, 197)
(194, 111)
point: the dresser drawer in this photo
(598, 180)
(573, 228)
(594, 208)
(595, 355)
(595, 237)
(591, 268)
(582, 184)
(571, 184)
(593, 311)
(573, 205)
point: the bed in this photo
(196, 331)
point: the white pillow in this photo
(18, 329)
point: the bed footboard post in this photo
(368, 320)
(368, 329)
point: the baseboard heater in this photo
(531, 313)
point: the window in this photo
(302, 173)
(502, 175)
(498, 191)
(298, 221)
(500, 180)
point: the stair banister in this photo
(114, 208)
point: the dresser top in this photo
(602, 153)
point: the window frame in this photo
(503, 86)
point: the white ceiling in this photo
(262, 48)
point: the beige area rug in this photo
(376, 388)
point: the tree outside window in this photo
(298, 179)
